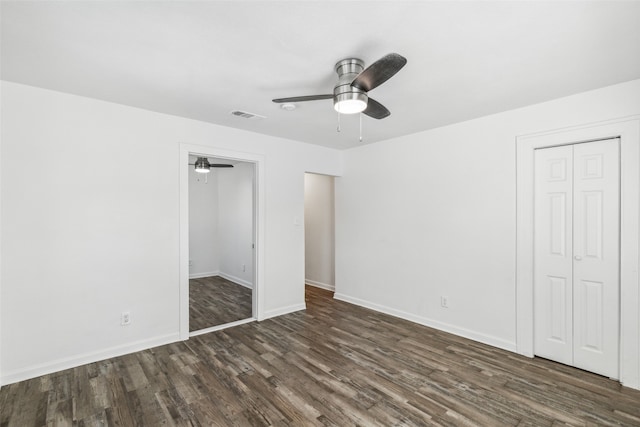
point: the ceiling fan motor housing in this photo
(343, 93)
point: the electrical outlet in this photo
(190, 263)
(244, 267)
(444, 302)
(125, 318)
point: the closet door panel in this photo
(596, 256)
(553, 280)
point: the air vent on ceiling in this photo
(247, 115)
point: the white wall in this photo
(319, 231)
(204, 252)
(235, 209)
(433, 214)
(90, 233)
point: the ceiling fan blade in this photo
(303, 98)
(215, 165)
(379, 72)
(376, 110)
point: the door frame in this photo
(258, 227)
(628, 130)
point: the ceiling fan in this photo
(350, 95)
(202, 165)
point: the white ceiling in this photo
(203, 59)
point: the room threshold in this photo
(221, 327)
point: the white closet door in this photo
(576, 265)
(596, 257)
(553, 280)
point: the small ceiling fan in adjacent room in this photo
(351, 93)
(202, 165)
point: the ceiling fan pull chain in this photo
(338, 130)
(360, 126)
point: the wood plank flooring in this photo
(333, 364)
(215, 301)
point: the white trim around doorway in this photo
(628, 130)
(259, 227)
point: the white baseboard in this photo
(236, 280)
(205, 274)
(284, 310)
(465, 333)
(320, 285)
(83, 359)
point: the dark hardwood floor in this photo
(215, 301)
(333, 364)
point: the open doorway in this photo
(319, 232)
(221, 252)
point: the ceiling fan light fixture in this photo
(202, 165)
(350, 94)
(350, 102)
